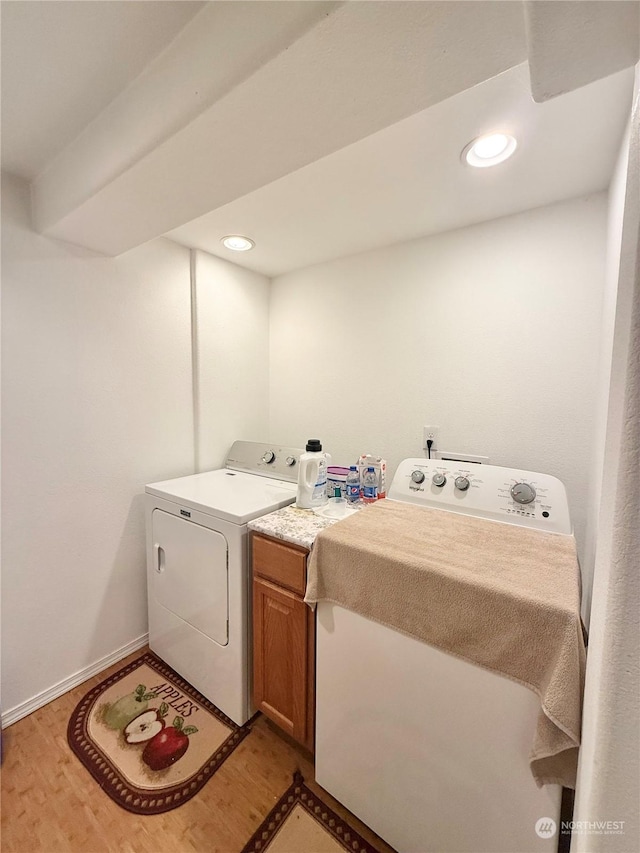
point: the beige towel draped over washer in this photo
(501, 596)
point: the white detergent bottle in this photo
(312, 476)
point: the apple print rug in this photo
(301, 821)
(149, 739)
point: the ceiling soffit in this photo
(353, 70)
(574, 42)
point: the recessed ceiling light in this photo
(237, 243)
(489, 150)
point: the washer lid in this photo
(230, 495)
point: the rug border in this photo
(299, 794)
(106, 774)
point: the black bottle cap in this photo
(314, 445)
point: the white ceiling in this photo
(63, 62)
(408, 180)
(317, 128)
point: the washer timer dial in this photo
(523, 493)
(462, 483)
(268, 457)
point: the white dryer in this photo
(197, 567)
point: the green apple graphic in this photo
(125, 709)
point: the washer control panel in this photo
(511, 495)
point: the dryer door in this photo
(190, 574)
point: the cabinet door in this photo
(281, 675)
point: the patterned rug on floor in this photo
(301, 822)
(148, 738)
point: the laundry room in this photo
(389, 283)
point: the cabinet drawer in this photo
(281, 563)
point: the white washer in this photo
(430, 751)
(197, 567)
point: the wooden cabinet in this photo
(283, 638)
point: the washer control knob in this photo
(268, 457)
(462, 483)
(290, 460)
(523, 493)
(438, 479)
(418, 476)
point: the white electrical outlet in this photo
(431, 433)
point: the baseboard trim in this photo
(40, 699)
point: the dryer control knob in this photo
(523, 493)
(438, 479)
(462, 483)
(268, 457)
(417, 476)
(290, 460)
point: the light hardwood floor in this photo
(50, 803)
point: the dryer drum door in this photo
(190, 574)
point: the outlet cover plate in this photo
(432, 432)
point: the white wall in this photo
(232, 357)
(615, 216)
(491, 332)
(96, 403)
(116, 373)
(609, 771)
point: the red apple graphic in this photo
(169, 745)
